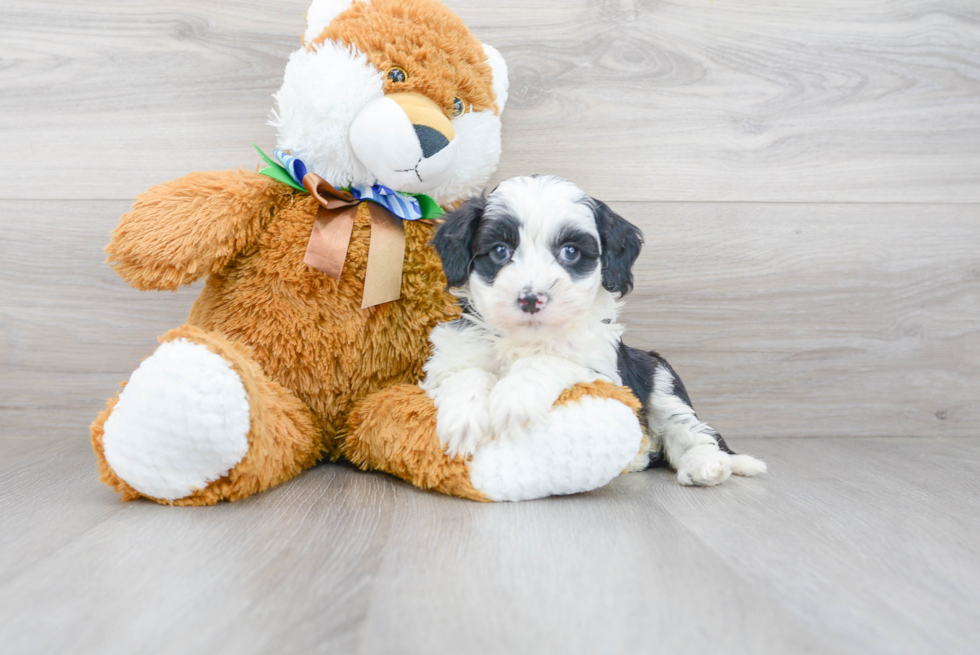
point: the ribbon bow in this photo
(330, 238)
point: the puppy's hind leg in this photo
(695, 449)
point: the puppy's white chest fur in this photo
(489, 385)
(590, 344)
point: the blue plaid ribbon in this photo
(403, 206)
(295, 167)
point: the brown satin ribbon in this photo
(331, 235)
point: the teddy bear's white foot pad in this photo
(579, 447)
(180, 423)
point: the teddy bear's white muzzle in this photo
(403, 154)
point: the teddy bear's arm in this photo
(192, 226)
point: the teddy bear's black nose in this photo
(432, 141)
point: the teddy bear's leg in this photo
(199, 422)
(590, 436)
(394, 430)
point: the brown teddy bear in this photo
(258, 384)
(322, 288)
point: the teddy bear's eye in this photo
(458, 108)
(397, 74)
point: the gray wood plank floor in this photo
(849, 546)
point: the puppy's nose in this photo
(532, 302)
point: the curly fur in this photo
(304, 349)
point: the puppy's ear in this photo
(621, 244)
(454, 240)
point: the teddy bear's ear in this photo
(499, 67)
(320, 14)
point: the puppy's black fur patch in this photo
(637, 368)
(503, 229)
(621, 244)
(587, 246)
(454, 240)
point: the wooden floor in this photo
(850, 546)
(807, 175)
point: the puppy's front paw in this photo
(463, 426)
(515, 405)
(704, 466)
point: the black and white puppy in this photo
(540, 269)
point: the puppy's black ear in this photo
(454, 240)
(621, 244)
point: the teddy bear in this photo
(309, 336)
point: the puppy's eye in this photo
(458, 108)
(569, 254)
(397, 74)
(499, 254)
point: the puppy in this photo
(540, 269)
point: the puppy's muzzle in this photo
(531, 302)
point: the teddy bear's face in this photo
(396, 92)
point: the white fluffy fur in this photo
(510, 366)
(478, 153)
(463, 404)
(485, 386)
(384, 140)
(545, 206)
(326, 89)
(501, 83)
(323, 91)
(495, 374)
(581, 447)
(181, 422)
(690, 444)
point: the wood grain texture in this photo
(784, 320)
(867, 547)
(815, 320)
(808, 179)
(70, 329)
(688, 100)
(848, 546)
(284, 572)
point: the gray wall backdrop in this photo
(807, 175)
